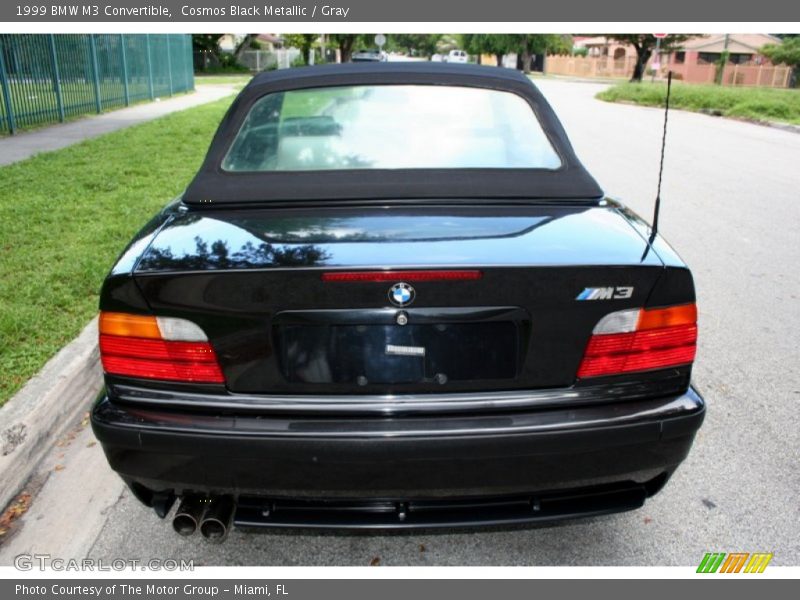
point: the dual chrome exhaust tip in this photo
(213, 516)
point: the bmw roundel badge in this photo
(401, 294)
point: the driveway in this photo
(730, 205)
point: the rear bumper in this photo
(626, 449)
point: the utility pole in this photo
(723, 60)
(657, 62)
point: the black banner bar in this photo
(355, 11)
(385, 589)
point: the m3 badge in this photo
(606, 293)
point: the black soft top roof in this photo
(212, 185)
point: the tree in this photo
(786, 53)
(487, 43)
(449, 42)
(249, 41)
(420, 44)
(207, 42)
(525, 45)
(347, 42)
(303, 41)
(468, 42)
(644, 44)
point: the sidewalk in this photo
(24, 145)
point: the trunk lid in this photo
(252, 279)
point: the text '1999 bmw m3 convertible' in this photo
(393, 297)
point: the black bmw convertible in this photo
(392, 297)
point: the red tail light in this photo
(140, 346)
(437, 275)
(641, 340)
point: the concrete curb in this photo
(46, 408)
(784, 126)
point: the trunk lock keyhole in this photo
(402, 318)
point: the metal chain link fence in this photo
(51, 78)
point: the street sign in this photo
(660, 36)
(380, 40)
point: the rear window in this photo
(390, 127)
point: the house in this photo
(270, 41)
(267, 41)
(742, 48)
(697, 59)
(602, 46)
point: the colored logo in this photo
(401, 294)
(734, 562)
(606, 293)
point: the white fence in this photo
(264, 60)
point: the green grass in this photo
(222, 79)
(759, 104)
(66, 215)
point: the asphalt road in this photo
(731, 209)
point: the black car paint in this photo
(396, 458)
(239, 274)
(247, 274)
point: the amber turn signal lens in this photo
(127, 325)
(656, 318)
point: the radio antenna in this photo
(661, 164)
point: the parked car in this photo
(369, 310)
(457, 56)
(371, 55)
